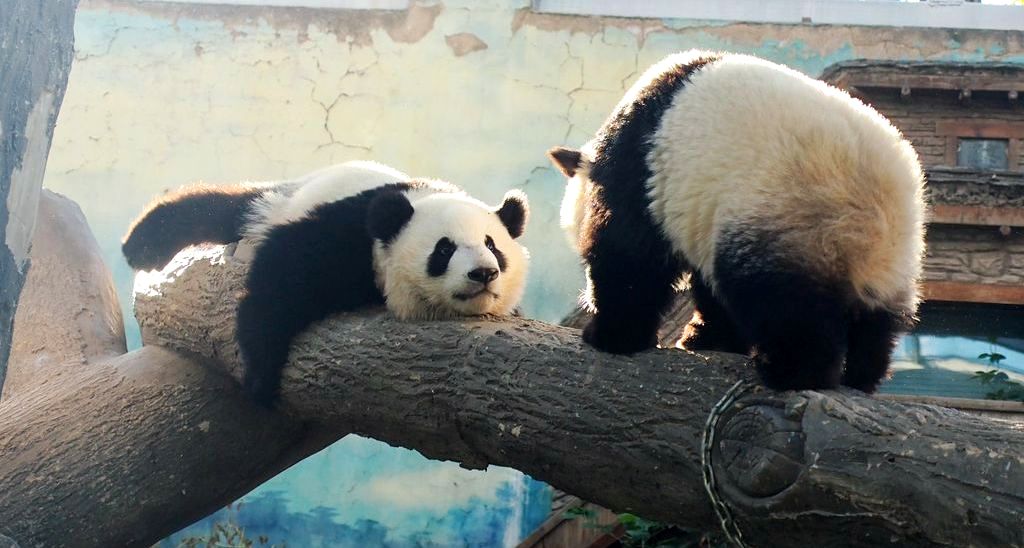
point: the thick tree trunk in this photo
(68, 313)
(124, 452)
(797, 469)
(36, 42)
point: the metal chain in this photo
(729, 527)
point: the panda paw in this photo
(618, 339)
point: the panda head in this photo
(575, 165)
(448, 255)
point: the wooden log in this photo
(797, 468)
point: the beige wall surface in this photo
(163, 94)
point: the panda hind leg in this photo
(872, 338)
(711, 327)
(796, 324)
(801, 350)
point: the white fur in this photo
(292, 200)
(751, 141)
(574, 201)
(401, 266)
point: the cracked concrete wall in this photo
(470, 91)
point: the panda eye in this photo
(444, 247)
(490, 244)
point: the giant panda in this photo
(349, 236)
(796, 210)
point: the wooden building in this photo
(966, 121)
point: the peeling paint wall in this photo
(474, 92)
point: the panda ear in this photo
(387, 215)
(567, 160)
(514, 212)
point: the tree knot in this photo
(761, 445)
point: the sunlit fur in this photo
(574, 201)
(292, 200)
(837, 180)
(413, 294)
(400, 266)
(797, 209)
(749, 140)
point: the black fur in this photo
(301, 273)
(711, 327)
(193, 215)
(872, 337)
(483, 275)
(513, 213)
(631, 265)
(437, 263)
(388, 213)
(498, 255)
(798, 324)
(566, 160)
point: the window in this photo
(983, 154)
(953, 342)
(981, 144)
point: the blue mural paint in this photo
(361, 492)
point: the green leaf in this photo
(579, 512)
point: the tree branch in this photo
(798, 469)
(125, 452)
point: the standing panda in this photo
(796, 209)
(349, 236)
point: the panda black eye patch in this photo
(437, 264)
(502, 263)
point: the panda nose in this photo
(483, 275)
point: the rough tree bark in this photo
(36, 42)
(68, 313)
(798, 469)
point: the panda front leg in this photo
(285, 292)
(631, 286)
(302, 272)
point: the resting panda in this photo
(796, 209)
(349, 236)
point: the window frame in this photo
(953, 130)
(932, 14)
(961, 153)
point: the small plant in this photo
(999, 381)
(643, 533)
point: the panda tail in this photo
(191, 215)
